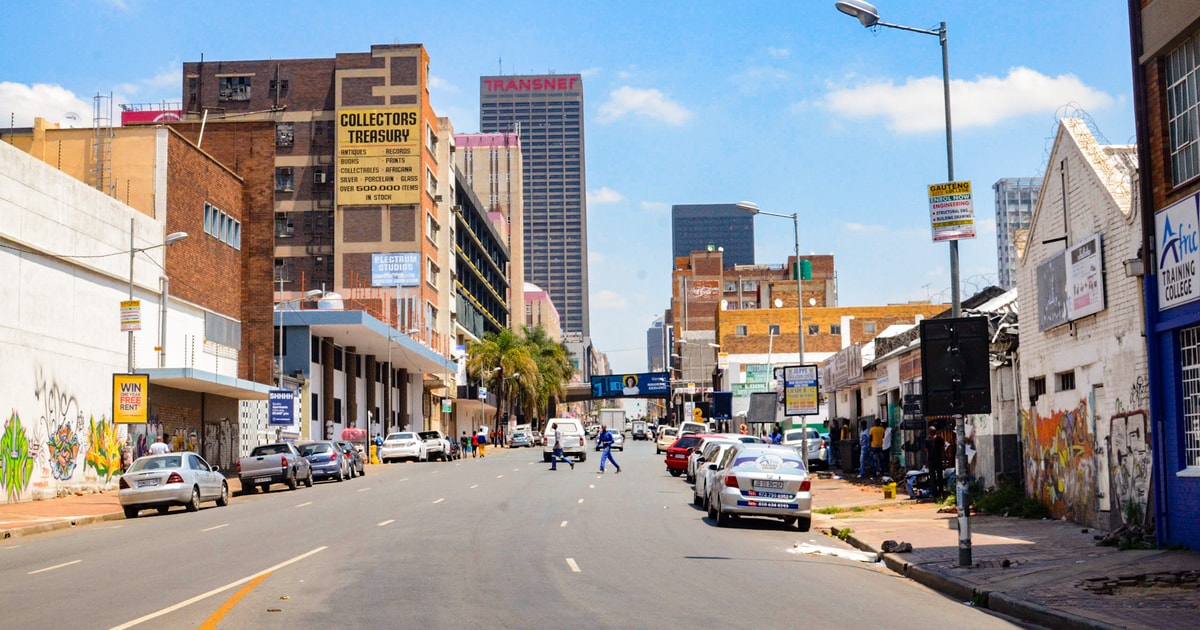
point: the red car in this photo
(677, 452)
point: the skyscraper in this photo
(1015, 199)
(547, 112)
(696, 226)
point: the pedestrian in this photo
(159, 447)
(877, 432)
(776, 435)
(606, 441)
(864, 447)
(482, 443)
(557, 455)
(465, 441)
(743, 429)
(934, 448)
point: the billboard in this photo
(800, 390)
(1178, 247)
(150, 116)
(622, 385)
(402, 269)
(951, 211)
(1071, 284)
(131, 402)
(282, 407)
(379, 156)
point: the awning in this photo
(193, 380)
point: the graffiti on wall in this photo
(1059, 467)
(1129, 465)
(16, 461)
(218, 444)
(104, 448)
(58, 427)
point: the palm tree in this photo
(497, 357)
(554, 367)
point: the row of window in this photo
(221, 226)
(1064, 382)
(813, 329)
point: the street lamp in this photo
(171, 239)
(868, 16)
(752, 208)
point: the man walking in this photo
(557, 455)
(159, 447)
(877, 432)
(606, 441)
(482, 443)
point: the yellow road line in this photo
(233, 600)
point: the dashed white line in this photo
(363, 489)
(404, 479)
(574, 567)
(305, 503)
(474, 486)
(434, 472)
(516, 470)
(581, 500)
(439, 501)
(387, 522)
(499, 476)
(591, 486)
(209, 529)
(11, 547)
(57, 566)
(563, 524)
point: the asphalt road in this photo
(498, 542)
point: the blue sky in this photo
(792, 105)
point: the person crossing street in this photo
(606, 441)
(558, 456)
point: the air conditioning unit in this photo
(437, 198)
(320, 177)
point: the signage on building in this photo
(743, 390)
(282, 407)
(150, 116)
(757, 373)
(401, 269)
(549, 83)
(951, 211)
(800, 390)
(1178, 248)
(131, 398)
(621, 385)
(379, 156)
(1071, 284)
(131, 315)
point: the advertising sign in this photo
(401, 269)
(800, 390)
(1178, 246)
(621, 385)
(757, 372)
(951, 211)
(282, 407)
(1071, 284)
(150, 116)
(743, 390)
(131, 315)
(379, 156)
(131, 398)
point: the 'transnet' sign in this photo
(547, 83)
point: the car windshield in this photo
(156, 463)
(687, 441)
(767, 460)
(401, 436)
(429, 435)
(270, 449)
(317, 447)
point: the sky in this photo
(789, 104)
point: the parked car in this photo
(538, 439)
(573, 436)
(677, 453)
(761, 480)
(704, 474)
(162, 481)
(403, 445)
(618, 441)
(520, 439)
(435, 445)
(818, 447)
(694, 458)
(326, 460)
(666, 437)
(358, 461)
(274, 463)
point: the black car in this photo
(357, 461)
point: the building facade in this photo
(1015, 198)
(696, 227)
(546, 111)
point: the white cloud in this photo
(605, 195)
(655, 206)
(760, 77)
(778, 53)
(652, 104)
(917, 105)
(596, 258)
(438, 83)
(608, 300)
(590, 72)
(863, 227)
(41, 100)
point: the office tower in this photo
(1015, 199)
(695, 227)
(547, 112)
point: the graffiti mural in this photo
(1059, 467)
(1129, 465)
(16, 462)
(58, 428)
(218, 444)
(63, 448)
(104, 448)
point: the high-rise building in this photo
(656, 347)
(695, 227)
(1015, 199)
(547, 112)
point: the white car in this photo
(694, 459)
(761, 480)
(403, 445)
(573, 437)
(666, 437)
(161, 481)
(704, 473)
(818, 448)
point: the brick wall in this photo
(758, 339)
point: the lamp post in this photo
(868, 16)
(752, 208)
(171, 239)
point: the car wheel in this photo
(583, 456)
(545, 458)
(131, 511)
(712, 512)
(291, 482)
(696, 500)
(722, 517)
(804, 524)
(340, 476)
(264, 487)
(675, 472)
(223, 500)
(194, 504)
(309, 480)
(162, 509)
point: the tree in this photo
(495, 358)
(554, 367)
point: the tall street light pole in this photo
(133, 250)
(752, 208)
(868, 16)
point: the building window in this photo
(284, 181)
(285, 134)
(814, 329)
(1066, 381)
(773, 329)
(1189, 364)
(835, 329)
(221, 226)
(740, 331)
(1037, 387)
(1183, 109)
(869, 328)
(234, 88)
(432, 271)
(431, 228)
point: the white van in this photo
(689, 426)
(573, 438)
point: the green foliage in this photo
(529, 369)
(841, 534)
(829, 510)
(1007, 499)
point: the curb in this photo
(998, 602)
(60, 523)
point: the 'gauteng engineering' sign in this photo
(951, 211)
(379, 156)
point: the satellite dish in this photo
(724, 304)
(812, 301)
(778, 303)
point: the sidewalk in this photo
(1050, 573)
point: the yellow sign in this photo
(379, 156)
(131, 315)
(131, 398)
(698, 413)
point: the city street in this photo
(495, 542)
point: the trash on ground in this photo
(849, 554)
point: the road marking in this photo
(563, 524)
(591, 486)
(363, 489)
(581, 500)
(404, 479)
(11, 547)
(499, 476)
(516, 470)
(57, 566)
(434, 472)
(215, 527)
(439, 501)
(220, 589)
(220, 613)
(574, 567)
(474, 486)
(305, 503)
(387, 522)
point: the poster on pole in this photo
(800, 390)
(131, 398)
(282, 407)
(951, 211)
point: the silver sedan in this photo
(162, 481)
(761, 480)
